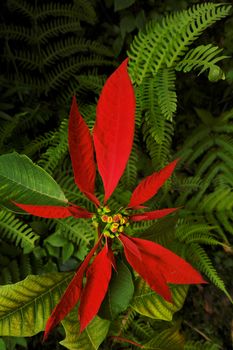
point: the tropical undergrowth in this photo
(167, 61)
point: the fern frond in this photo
(89, 82)
(10, 274)
(22, 6)
(7, 130)
(17, 231)
(70, 46)
(198, 345)
(70, 67)
(217, 209)
(28, 81)
(38, 144)
(166, 92)
(163, 43)
(196, 233)
(159, 151)
(142, 329)
(58, 149)
(211, 146)
(81, 9)
(129, 177)
(78, 231)
(201, 58)
(154, 120)
(55, 27)
(169, 339)
(139, 227)
(200, 259)
(19, 267)
(71, 191)
(187, 187)
(16, 32)
(157, 131)
(27, 59)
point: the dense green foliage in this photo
(178, 64)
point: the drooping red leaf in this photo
(149, 272)
(45, 211)
(149, 186)
(98, 278)
(71, 295)
(131, 246)
(55, 212)
(114, 128)
(79, 212)
(82, 153)
(152, 215)
(175, 269)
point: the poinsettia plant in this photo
(110, 148)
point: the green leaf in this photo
(216, 74)
(146, 302)
(56, 240)
(2, 345)
(25, 306)
(120, 292)
(127, 25)
(89, 339)
(67, 251)
(24, 182)
(122, 4)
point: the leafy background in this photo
(51, 50)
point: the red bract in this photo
(113, 138)
(114, 128)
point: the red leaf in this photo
(127, 242)
(55, 212)
(110, 254)
(45, 211)
(114, 127)
(71, 295)
(98, 278)
(82, 153)
(174, 268)
(150, 185)
(79, 212)
(149, 272)
(152, 215)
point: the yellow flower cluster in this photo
(114, 224)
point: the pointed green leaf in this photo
(25, 306)
(67, 251)
(120, 292)
(89, 339)
(24, 182)
(122, 4)
(146, 302)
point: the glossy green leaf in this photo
(67, 251)
(2, 345)
(120, 293)
(56, 240)
(122, 4)
(146, 302)
(89, 339)
(25, 182)
(25, 306)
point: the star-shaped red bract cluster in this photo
(112, 141)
